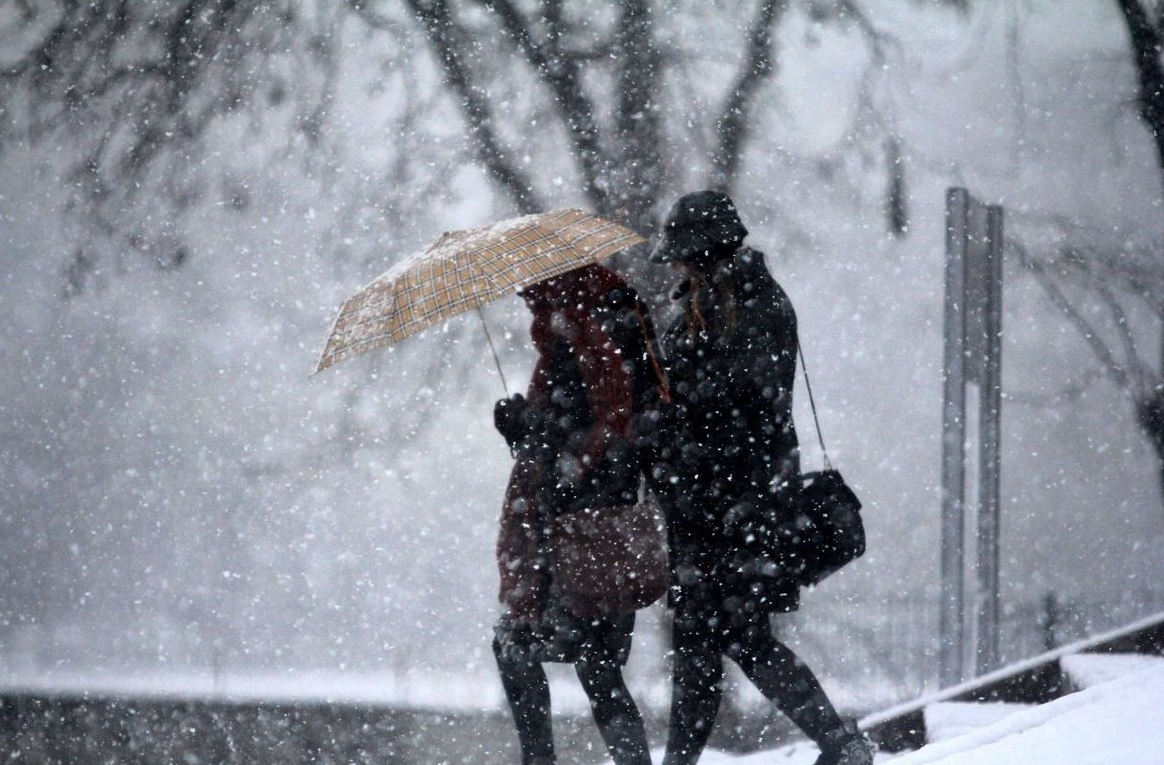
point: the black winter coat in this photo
(728, 442)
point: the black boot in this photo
(845, 746)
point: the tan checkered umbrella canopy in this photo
(464, 270)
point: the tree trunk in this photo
(756, 68)
(437, 22)
(1146, 49)
(1150, 414)
(638, 176)
(1147, 42)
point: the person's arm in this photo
(763, 378)
(521, 559)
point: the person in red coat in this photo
(573, 436)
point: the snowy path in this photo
(1118, 717)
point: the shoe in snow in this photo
(848, 747)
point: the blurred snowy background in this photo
(189, 190)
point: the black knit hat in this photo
(701, 225)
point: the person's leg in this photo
(528, 693)
(788, 682)
(696, 686)
(615, 713)
(784, 679)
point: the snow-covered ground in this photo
(1118, 721)
(1115, 718)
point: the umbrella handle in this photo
(496, 359)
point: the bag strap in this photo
(812, 402)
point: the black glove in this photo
(511, 418)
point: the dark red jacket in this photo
(595, 372)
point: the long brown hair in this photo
(720, 288)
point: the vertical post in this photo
(989, 447)
(952, 614)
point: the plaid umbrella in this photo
(464, 270)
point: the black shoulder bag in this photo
(823, 530)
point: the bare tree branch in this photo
(442, 32)
(560, 73)
(1147, 48)
(135, 87)
(1137, 370)
(757, 67)
(873, 118)
(1114, 369)
(1112, 270)
(876, 38)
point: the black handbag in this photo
(827, 532)
(807, 529)
(823, 531)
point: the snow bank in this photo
(1117, 721)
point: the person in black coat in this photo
(725, 447)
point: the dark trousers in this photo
(615, 713)
(701, 637)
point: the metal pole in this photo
(989, 462)
(952, 615)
